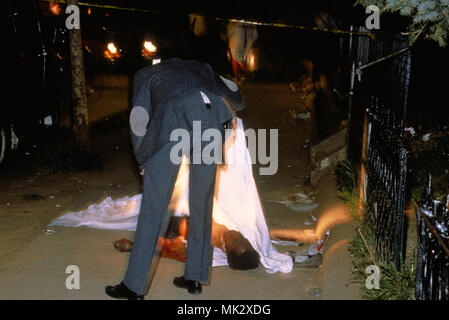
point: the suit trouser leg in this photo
(199, 248)
(159, 181)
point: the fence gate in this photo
(380, 74)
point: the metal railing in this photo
(379, 93)
(432, 272)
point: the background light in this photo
(149, 46)
(112, 47)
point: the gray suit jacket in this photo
(167, 96)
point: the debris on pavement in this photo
(311, 221)
(411, 130)
(48, 231)
(287, 243)
(299, 202)
(311, 257)
(123, 245)
(299, 116)
(301, 207)
(301, 197)
(316, 247)
(300, 259)
(308, 261)
(314, 291)
(306, 145)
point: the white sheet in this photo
(236, 205)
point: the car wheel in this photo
(5, 145)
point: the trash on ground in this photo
(314, 291)
(48, 231)
(299, 116)
(411, 130)
(315, 248)
(311, 221)
(123, 245)
(299, 202)
(426, 137)
(303, 116)
(300, 259)
(301, 207)
(287, 243)
(306, 145)
(310, 261)
(312, 256)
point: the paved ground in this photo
(33, 264)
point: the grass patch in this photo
(393, 284)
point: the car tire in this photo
(5, 145)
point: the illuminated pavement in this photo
(36, 268)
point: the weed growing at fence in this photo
(393, 284)
(346, 177)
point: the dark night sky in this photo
(289, 11)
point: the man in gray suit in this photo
(168, 96)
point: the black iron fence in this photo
(380, 82)
(386, 165)
(377, 110)
(432, 272)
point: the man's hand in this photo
(234, 123)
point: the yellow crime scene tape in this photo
(290, 26)
(242, 21)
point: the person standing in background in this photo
(241, 38)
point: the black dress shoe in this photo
(121, 291)
(192, 286)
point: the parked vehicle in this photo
(34, 75)
(38, 72)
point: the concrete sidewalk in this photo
(39, 271)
